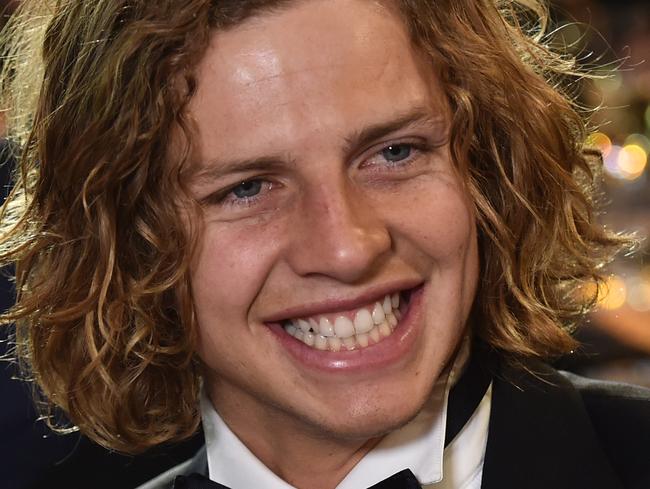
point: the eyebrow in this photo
(415, 117)
(418, 116)
(216, 168)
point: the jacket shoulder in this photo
(552, 429)
(197, 464)
(620, 414)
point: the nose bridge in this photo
(338, 233)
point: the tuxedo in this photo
(561, 431)
(547, 429)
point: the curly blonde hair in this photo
(95, 90)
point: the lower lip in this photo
(387, 352)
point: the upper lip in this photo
(336, 304)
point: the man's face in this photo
(328, 187)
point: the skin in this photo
(331, 218)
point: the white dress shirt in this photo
(419, 446)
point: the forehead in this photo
(316, 67)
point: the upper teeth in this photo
(350, 330)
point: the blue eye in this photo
(247, 189)
(397, 152)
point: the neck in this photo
(304, 458)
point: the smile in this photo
(350, 330)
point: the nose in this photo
(339, 234)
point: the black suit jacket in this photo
(552, 430)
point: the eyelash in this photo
(226, 198)
(416, 150)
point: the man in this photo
(344, 228)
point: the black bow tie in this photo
(402, 480)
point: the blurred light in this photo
(639, 140)
(632, 160)
(647, 117)
(638, 296)
(601, 141)
(610, 84)
(611, 162)
(627, 162)
(614, 294)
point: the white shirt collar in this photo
(419, 446)
(229, 461)
(464, 456)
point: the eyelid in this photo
(420, 145)
(416, 139)
(220, 196)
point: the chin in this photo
(370, 420)
(371, 428)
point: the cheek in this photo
(442, 224)
(441, 234)
(230, 268)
